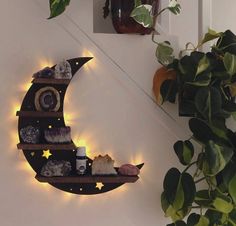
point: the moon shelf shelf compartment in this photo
(28, 115)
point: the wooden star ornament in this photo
(99, 185)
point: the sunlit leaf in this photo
(223, 204)
(211, 35)
(203, 65)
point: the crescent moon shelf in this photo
(37, 154)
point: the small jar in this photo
(81, 160)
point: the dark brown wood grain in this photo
(39, 114)
(88, 179)
(36, 147)
(50, 81)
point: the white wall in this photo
(223, 15)
(110, 102)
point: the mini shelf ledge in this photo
(51, 81)
(35, 147)
(39, 114)
(88, 179)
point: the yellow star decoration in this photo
(32, 154)
(46, 154)
(99, 185)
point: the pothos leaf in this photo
(203, 198)
(203, 64)
(179, 191)
(230, 63)
(169, 90)
(178, 223)
(217, 157)
(232, 188)
(211, 35)
(57, 7)
(174, 7)
(164, 53)
(160, 77)
(137, 3)
(197, 220)
(216, 217)
(185, 151)
(208, 101)
(142, 15)
(223, 204)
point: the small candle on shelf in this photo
(81, 160)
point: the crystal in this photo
(58, 135)
(47, 72)
(55, 168)
(63, 70)
(30, 134)
(103, 165)
(128, 170)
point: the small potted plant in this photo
(121, 11)
(128, 16)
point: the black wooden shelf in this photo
(88, 179)
(39, 114)
(51, 81)
(35, 147)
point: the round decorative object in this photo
(30, 134)
(47, 99)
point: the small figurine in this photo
(63, 70)
(47, 99)
(58, 135)
(81, 160)
(30, 134)
(55, 168)
(47, 72)
(129, 170)
(103, 165)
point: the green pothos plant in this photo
(206, 86)
(142, 13)
(204, 192)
